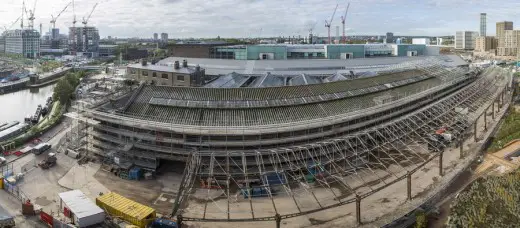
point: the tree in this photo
(63, 91)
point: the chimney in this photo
(176, 65)
(197, 68)
(144, 62)
(184, 63)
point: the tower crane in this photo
(310, 32)
(343, 18)
(23, 9)
(85, 22)
(53, 20)
(328, 23)
(10, 26)
(30, 15)
(74, 39)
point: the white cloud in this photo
(240, 18)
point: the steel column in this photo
(358, 209)
(461, 143)
(485, 119)
(179, 221)
(493, 110)
(278, 219)
(409, 185)
(475, 129)
(440, 163)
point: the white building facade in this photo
(23, 42)
(466, 40)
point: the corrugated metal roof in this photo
(80, 204)
(126, 206)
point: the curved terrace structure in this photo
(279, 152)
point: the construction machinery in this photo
(343, 18)
(74, 29)
(48, 162)
(10, 26)
(85, 22)
(30, 15)
(53, 20)
(328, 23)
(310, 32)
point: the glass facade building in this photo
(313, 51)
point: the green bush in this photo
(509, 130)
(489, 202)
(421, 220)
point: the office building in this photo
(389, 37)
(511, 43)
(486, 44)
(164, 37)
(155, 36)
(315, 51)
(84, 40)
(483, 24)
(501, 28)
(23, 42)
(465, 40)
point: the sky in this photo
(266, 18)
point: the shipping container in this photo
(128, 210)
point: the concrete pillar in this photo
(409, 185)
(358, 209)
(440, 163)
(179, 221)
(475, 131)
(278, 220)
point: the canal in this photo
(16, 106)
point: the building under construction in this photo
(284, 151)
(84, 40)
(24, 42)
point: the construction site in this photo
(253, 155)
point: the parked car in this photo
(3, 160)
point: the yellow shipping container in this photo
(1, 182)
(126, 209)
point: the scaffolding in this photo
(320, 159)
(330, 173)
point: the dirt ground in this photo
(159, 193)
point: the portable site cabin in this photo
(82, 211)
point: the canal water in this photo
(16, 106)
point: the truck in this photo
(48, 162)
(40, 148)
(6, 220)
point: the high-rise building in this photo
(84, 39)
(501, 28)
(389, 37)
(24, 42)
(465, 40)
(511, 43)
(485, 43)
(155, 36)
(164, 37)
(483, 24)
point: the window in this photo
(144, 73)
(154, 74)
(180, 78)
(133, 71)
(165, 76)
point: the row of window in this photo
(155, 74)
